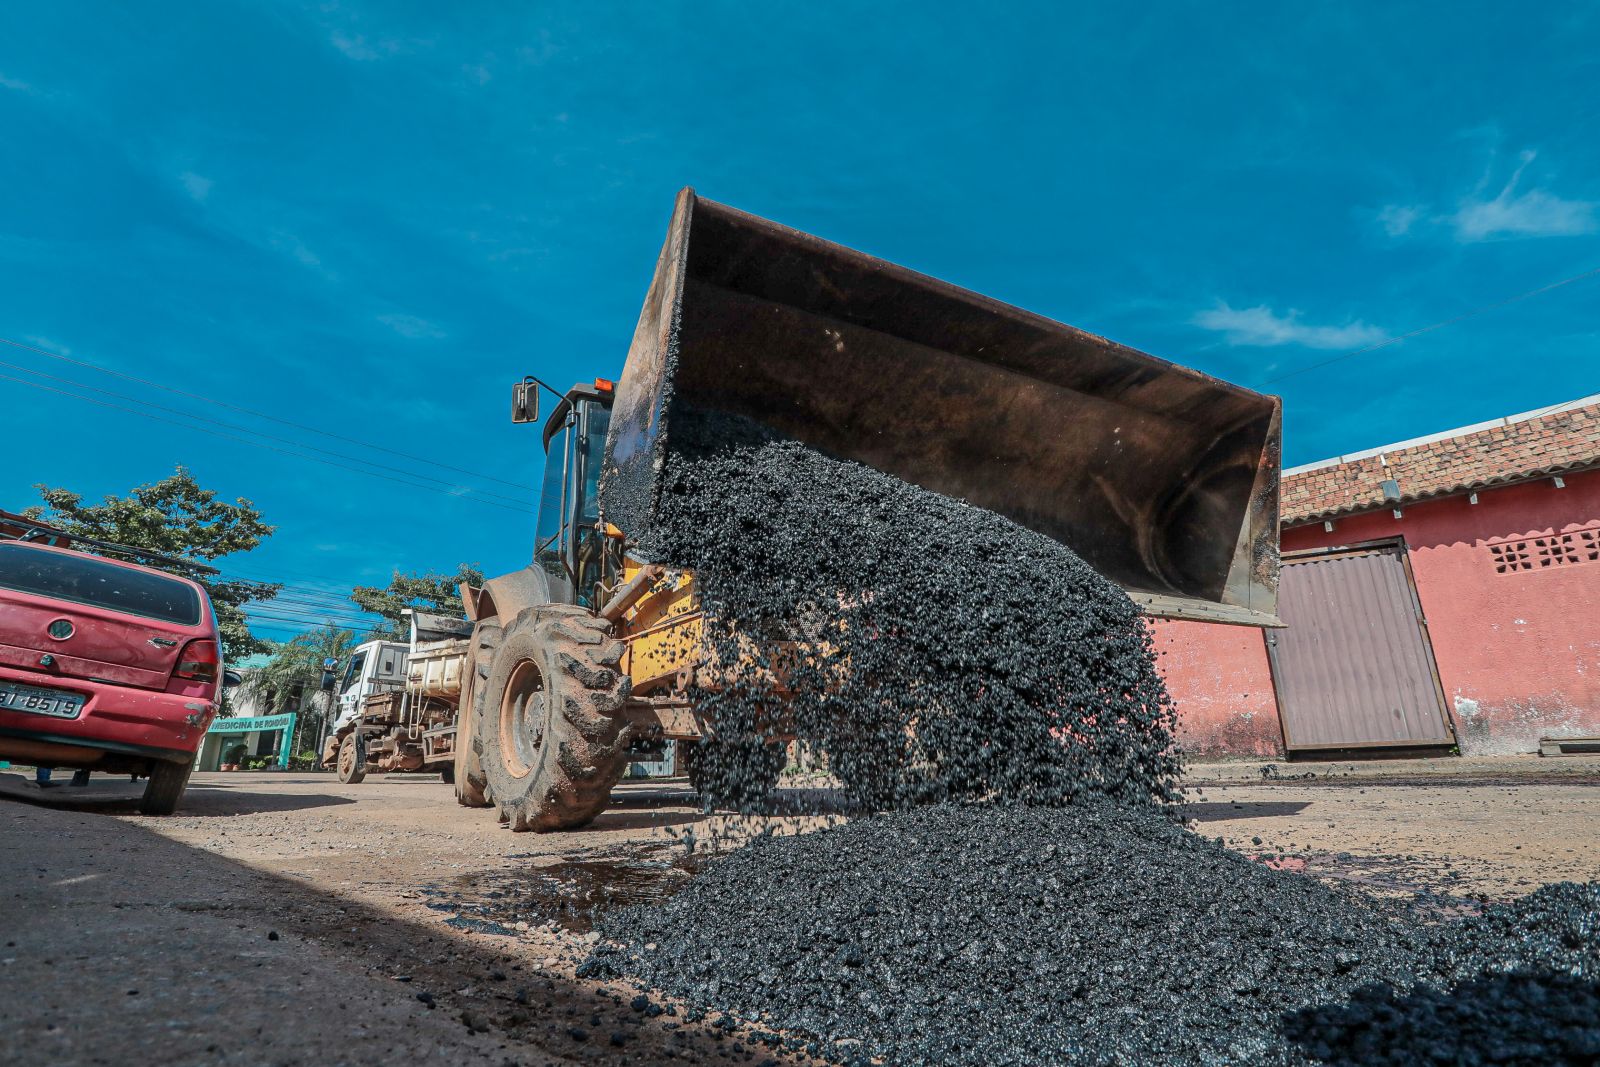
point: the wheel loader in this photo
(1162, 478)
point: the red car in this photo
(105, 665)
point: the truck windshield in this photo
(352, 673)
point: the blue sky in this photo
(372, 218)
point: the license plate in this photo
(50, 702)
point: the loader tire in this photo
(471, 787)
(550, 731)
(733, 774)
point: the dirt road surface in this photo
(289, 919)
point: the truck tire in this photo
(165, 788)
(471, 787)
(352, 759)
(733, 774)
(550, 729)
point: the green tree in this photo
(427, 590)
(177, 518)
(294, 673)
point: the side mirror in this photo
(525, 401)
(231, 678)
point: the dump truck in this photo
(1162, 478)
(399, 702)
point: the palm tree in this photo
(294, 672)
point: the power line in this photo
(311, 623)
(257, 433)
(297, 628)
(258, 444)
(257, 414)
(302, 578)
(1436, 326)
(353, 615)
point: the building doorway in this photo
(1354, 668)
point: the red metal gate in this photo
(1354, 668)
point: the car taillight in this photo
(199, 661)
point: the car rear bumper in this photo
(115, 720)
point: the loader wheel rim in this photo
(522, 715)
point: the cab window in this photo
(552, 502)
(352, 673)
(589, 541)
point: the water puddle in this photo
(569, 893)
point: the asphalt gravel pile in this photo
(1504, 1018)
(1009, 935)
(1001, 934)
(933, 650)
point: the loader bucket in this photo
(1163, 479)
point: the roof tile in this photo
(1544, 444)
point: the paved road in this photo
(126, 939)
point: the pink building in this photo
(1439, 593)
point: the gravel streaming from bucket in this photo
(934, 651)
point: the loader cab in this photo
(569, 544)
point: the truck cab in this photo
(374, 667)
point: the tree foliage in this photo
(295, 668)
(427, 590)
(295, 672)
(177, 518)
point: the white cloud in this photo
(15, 83)
(353, 45)
(288, 242)
(1262, 327)
(412, 326)
(1397, 219)
(1535, 213)
(49, 345)
(1507, 214)
(364, 49)
(197, 186)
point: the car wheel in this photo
(165, 788)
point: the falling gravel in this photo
(932, 650)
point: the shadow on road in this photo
(113, 795)
(133, 941)
(1210, 811)
(205, 800)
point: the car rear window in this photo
(86, 580)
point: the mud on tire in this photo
(353, 758)
(548, 723)
(471, 786)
